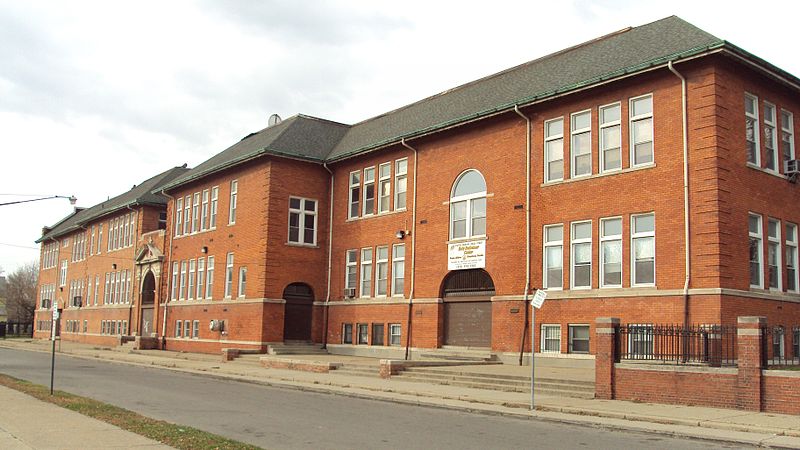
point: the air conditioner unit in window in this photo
(349, 292)
(76, 301)
(791, 167)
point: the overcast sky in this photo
(98, 96)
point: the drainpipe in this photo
(330, 246)
(527, 231)
(686, 228)
(161, 280)
(413, 245)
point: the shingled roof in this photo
(618, 54)
(145, 193)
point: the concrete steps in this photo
(296, 348)
(452, 353)
(498, 382)
(360, 370)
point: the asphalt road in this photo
(278, 418)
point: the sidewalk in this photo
(28, 423)
(744, 427)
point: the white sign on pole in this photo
(466, 255)
(53, 323)
(538, 298)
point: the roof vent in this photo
(273, 120)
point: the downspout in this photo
(133, 284)
(161, 280)
(413, 245)
(686, 228)
(527, 232)
(330, 247)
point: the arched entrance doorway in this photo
(146, 325)
(297, 312)
(468, 308)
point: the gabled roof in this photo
(145, 193)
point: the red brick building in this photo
(646, 175)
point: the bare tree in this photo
(21, 293)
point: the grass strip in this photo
(176, 436)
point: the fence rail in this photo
(780, 346)
(713, 345)
(16, 329)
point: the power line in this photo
(19, 246)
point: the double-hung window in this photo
(201, 272)
(787, 136)
(363, 334)
(752, 129)
(610, 138)
(214, 204)
(204, 211)
(62, 274)
(550, 339)
(192, 278)
(351, 271)
(355, 195)
(242, 281)
(395, 329)
(182, 293)
(774, 254)
(398, 269)
(302, 221)
(468, 206)
(553, 257)
(384, 187)
(210, 277)
(791, 258)
(554, 150)
(381, 270)
(366, 271)
(178, 328)
(187, 214)
(611, 252)
(229, 275)
(578, 340)
(770, 146)
(756, 251)
(641, 130)
(400, 183)
(581, 236)
(580, 147)
(232, 204)
(369, 191)
(643, 248)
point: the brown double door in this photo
(297, 312)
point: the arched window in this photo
(468, 206)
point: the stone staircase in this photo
(497, 382)
(465, 354)
(361, 370)
(296, 348)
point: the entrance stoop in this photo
(455, 353)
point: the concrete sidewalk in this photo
(28, 423)
(744, 427)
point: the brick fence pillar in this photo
(605, 355)
(749, 356)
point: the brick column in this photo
(604, 356)
(749, 356)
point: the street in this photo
(286, 418)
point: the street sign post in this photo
(53, 327)
(536, 303)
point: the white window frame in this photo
(233, 199)
(631, 128)
(178, 328)
(229, 275)
(381, 284)
(469, 200)
(774, 242)
(201, 269)
(548, 178)
(182, 290)
(354, 195)
(190, 288)
(401, 180)
(552, 244)
(574, 134)
(351, 269)
(787, 129)
(759, 236)
(571, 338)
(204, 210)
(603, 147)
(99, 238)
(210, 277)
(642, 235)
(302, 214)
(214, 207)
(366, 272)
(572, 260)
(195, 329)
(398, 267)
(791, 254)
(395, 334)
(242, 281)
(187, 214)
(62, 274)
(175, 271)
(610, 239)
(756, 128)
(368, 182)
(544, 336)
(770, 126)
(385, 188)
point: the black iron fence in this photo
(713, 345)
(780, 346)
(16, 329)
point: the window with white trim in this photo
(302, 221)
(178, 328)
(351, 270)
(355, 195)
(581, 261)
(550, 339)
(468, 206)
(774, 254)
(182, 292)
(204, 211)
(366, 271)
(381, 270)
(611, 252)
(787, 136)
(756, 251)
(553, 277)
(641, 130)
(192, 278)
(791, 258)
(232, 204)
(395, 331)
(62, 275)
(214, 204)
(201, 272)
(196, 212)
(610, 138)
(778, 342)
(398, 269)
(363, 334)
(377, 334)
(770, 146)
(187, 214)
(643, 249)
(384, 187)
(369, 191)
(400, 183)
(96, 288)
(578, 339)
(752, 129)
(580, 148)
(210, 277)
(195, 329)
(554, 150)
(229, 275)
(174, 293)
(640, 341)
(242, 281)
(99, 238)
(91, 242)
(178, 216)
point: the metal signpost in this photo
(536, 303)
(53, 338)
